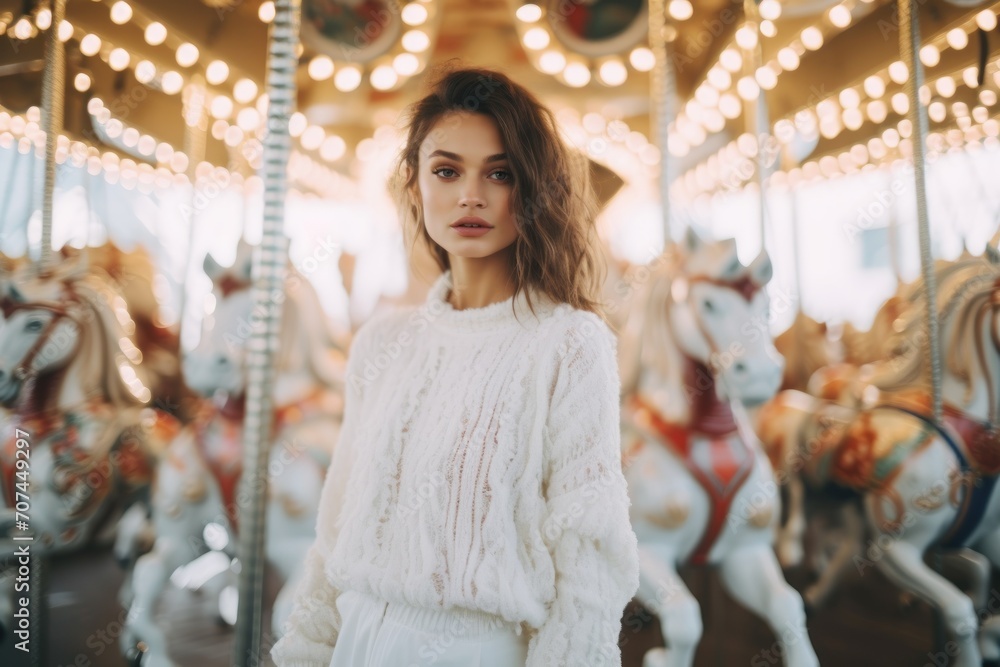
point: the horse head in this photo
(217, 364)
(716, 310)
(60, 317)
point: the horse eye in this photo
(708, 306)
(33, 326)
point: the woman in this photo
(475, 513)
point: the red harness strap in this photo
(723, 478)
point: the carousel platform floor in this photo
(864, 624)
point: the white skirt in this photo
(376, 633)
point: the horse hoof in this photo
(134, 656)
(655, 657)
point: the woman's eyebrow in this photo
(458, 158)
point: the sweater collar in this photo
(499, 315)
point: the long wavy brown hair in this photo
(553, 201)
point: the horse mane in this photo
(968, 305)
(109, 321)
(306, 335)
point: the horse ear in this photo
(760, 269)
(14, 294)
(691, 240)
(211, 267)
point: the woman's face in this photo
(463, 173)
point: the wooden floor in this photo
(864, 625)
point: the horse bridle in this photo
(62, 311)
(744, 286)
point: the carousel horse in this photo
(702, 491)
(198, 482)
(79, 439)
(806, 346)
(923, 484)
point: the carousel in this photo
(800, 213)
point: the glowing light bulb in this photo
(90, 44)
(118, 59)
(171, 82)
(43, 18)
(747, 88)
(877, 111)
(333, 148)
(766, 78)
(719, 78)
(312, 138)
(121, 12)
(731, 60)
(417, 41)
(812, 38)
(957, 39)
(187, 54)
(145, 71)
(730, 106)
(320, 68)
(937, 111)
(529, 13)
(577, 75)
(65, 31)
(769, 10)
(536, 39)
(986, 20)
(613, 72)
(217, 72)
(898, 72)
(347, 78)
(266, 11)
(406, 64)
(383, 77)
(244, 90)
(788, 58)
(680, 10)
(900, 103)
(155, 33)
(930, 55)
(746, 37)
(849, 98)
(81, 82)
(297, 124)
(840, 16)
(553, 62)
(221, 107)
(945, 86)
(874, 86)
(642, 59)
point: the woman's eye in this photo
(440, 172)
(506, 175)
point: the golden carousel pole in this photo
(909, 48)
(663, 94)
(269, 261)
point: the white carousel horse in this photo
(899, 323)
(923, 485)
(701, 489)
(197, 483)
(67, 380)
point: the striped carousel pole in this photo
(268, 272)
(757, 121)
(53, 94)
(909, 48)
(663, 94)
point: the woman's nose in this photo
(472, 198)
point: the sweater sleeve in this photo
(314, 623)
(586, 529)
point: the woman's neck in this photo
(480, 282)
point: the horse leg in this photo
(989, 634)
(790, 550)
(817, 594)
(903, 563)
(295, 487)
(182, 503)
(662, 591)
(752, 575)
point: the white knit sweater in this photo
(478, 467)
